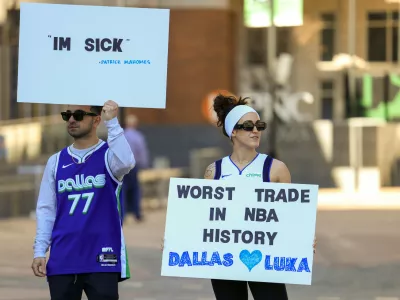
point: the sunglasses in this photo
(249, 125)
(78, 115)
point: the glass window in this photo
(327, 36)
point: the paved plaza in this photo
(358, 258)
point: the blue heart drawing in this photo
(250, 260)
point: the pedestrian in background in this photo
(3, 151)
(131, 188)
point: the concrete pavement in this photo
(358, 258)
(387, 198)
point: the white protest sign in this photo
(240, 230)
(76, 54)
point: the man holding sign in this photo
(224, 251)
(79, 212)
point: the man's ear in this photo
(97, 120)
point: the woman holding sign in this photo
(242, 125)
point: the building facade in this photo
(201, 59)
(210, 49)
(368, 29)
(331, 30)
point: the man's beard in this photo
(80, 134)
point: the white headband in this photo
(235, 115)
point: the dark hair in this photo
(96, 109)
(223, 105)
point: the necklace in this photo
(78, 163)
(242, 162)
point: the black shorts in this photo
(237, 290)
(97, 286)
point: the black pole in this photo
(273, 125)
(347, 94)
(271, 59)
(386, 95)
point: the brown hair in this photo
(223, 105)
(96, 109)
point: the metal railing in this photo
(28, 143)
(18, 193)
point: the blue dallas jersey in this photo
(87, 235)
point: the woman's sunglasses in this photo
(249, 125)
(78, 115)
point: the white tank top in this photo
(257, 169)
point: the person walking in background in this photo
(3, 151)
(131, 187)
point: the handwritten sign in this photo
(240, 229)
(76, 54)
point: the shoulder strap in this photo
(218, 165)
(267, 168)
(56, 161)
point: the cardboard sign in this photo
(75, 54)
(240, 229)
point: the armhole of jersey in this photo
(267, 169)
(109, 169)
(56, 165)
(218, 165)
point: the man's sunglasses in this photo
(249, 125)
(78, 115)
